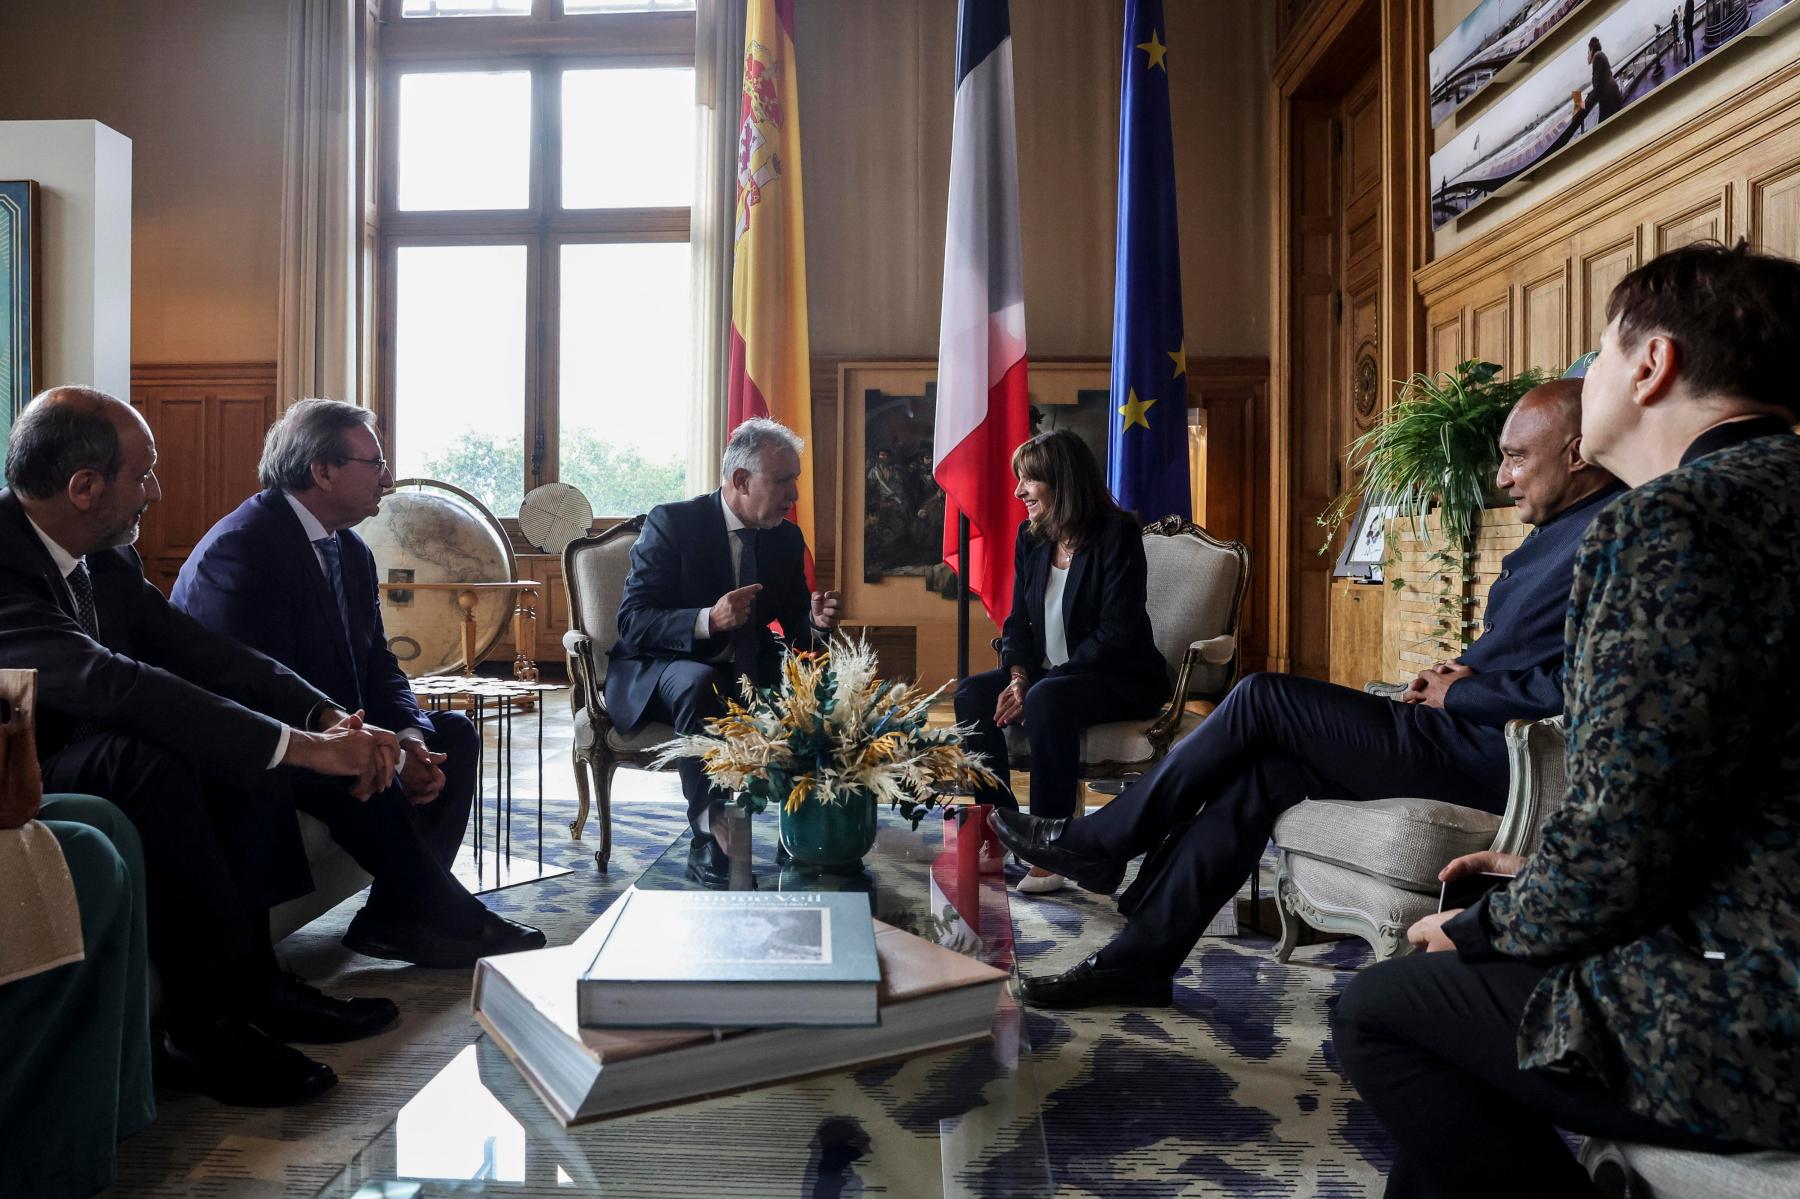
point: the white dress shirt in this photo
(703, 619)
(1056, 638)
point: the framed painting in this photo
(21, 288)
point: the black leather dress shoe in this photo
(500, 935)
(1033, 839)
(293, 1010)
(238, 1064)
(404, 939)
(1092, 983)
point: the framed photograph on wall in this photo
(1486, 47)
(1367, 544)
(1626, 54)
(21, 289)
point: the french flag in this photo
(982, 410)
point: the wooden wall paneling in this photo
(1323, 51)
(1490, 332)
(208, 419)
(1235, 394)
(1543, 322)
(1601, 270)
(180, 425)
(1707, 221)
(238, 422)
(1313, 478)
(1774, 210)
(1446, 341)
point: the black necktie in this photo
(745, 638)
(83, 588)
(81, 585)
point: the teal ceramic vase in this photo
(829, 835)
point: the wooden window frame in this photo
(545, 43)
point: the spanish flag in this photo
(769, 370)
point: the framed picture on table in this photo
(1367, 544)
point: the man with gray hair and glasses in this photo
(285, 575)
(708, 577)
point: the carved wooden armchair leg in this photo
(583, 764)
(606, 768)
(1290, 923)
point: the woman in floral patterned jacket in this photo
(1640, 979)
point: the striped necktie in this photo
(81, 586)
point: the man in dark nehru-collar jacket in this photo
(1204, 814)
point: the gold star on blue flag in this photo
(1146, 449)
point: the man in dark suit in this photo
(1205, 812)
(284, 574)
(167, 719)
(708, 577)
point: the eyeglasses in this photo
(378, 463)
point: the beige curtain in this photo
(318, 230)
(718, 87)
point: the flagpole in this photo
(962, 595)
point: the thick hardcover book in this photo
(931, 998)
(730, 959)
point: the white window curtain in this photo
(317, 306)
(718, 91)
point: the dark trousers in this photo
(202, 923)
(1205, 812)
(406, 849)
(1057, 709)
(688, 695)
(444, 820)
(1431, 1043)
(75, 1041)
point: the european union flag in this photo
(1147, 446)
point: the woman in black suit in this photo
(1076, 649)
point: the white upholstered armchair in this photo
(1370, 869)
(594, 569)
(1195, 597)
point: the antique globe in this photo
(432, 532)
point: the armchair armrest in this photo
(1537, 781)
(576, 642)
(1386, 690)
(1215, 651)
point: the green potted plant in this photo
(1436, 447)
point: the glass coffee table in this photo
(956, 1122)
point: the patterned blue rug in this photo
(1233, 1091)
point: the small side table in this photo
(498, 700)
